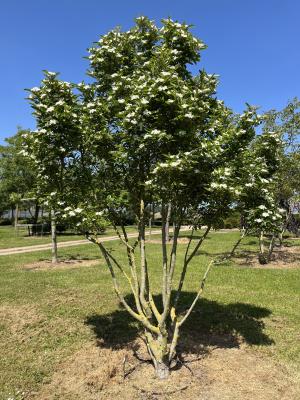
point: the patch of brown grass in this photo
(17, 319)
(65, 264)
(224, 373)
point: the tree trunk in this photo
(150, 226)
(271, 248)
(161, 328)
(280, 238)
(158, 350)
(261, 257)
(167, 225)
(162, 370)
(53, 238)
(16, 216)
(244, 232)
(36, 213)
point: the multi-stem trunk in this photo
(271, 248)
(265, 257)
(158, 349)
(161, 327)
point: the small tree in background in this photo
(55, 146)
(145, 129)
(258, 203)
(286, 124)
(17, 174)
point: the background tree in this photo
(17, 173)
(145, 129)
(54, 147)
(286, 124)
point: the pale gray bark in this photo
(16, 216)
(167, 225)
(265, 257)
(53, 238)
(161, 327)
(271, 248)
(244, 233)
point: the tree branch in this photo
(187, 260)
(139, 317)
(182, 320)
(164, 253)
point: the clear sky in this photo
(252, 44)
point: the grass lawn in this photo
(8, 237)
(48, 315)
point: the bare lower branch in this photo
(182, 320)
(133, 269)
(153, 307)
(170, 273)
(125, 242)
(139, 317)
(144, 279)
(245, 231)
(198, 244)
(174, 342)
(187, 260)
(164, 254)
(131, 260)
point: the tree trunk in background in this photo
(244, 233)
(36, 213)
(150, 226)
(16, 216)
(261, 257)
(271, 247)
(167, 226)
(53, 238)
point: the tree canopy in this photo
(145, 129)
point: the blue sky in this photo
(253, 46)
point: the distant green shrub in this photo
(5, 221)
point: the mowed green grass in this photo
(11, 238)
(47, 315)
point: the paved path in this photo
(41, 247)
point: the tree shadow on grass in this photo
(211, 324)
(226, 255)
(184, 235)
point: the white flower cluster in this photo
(70, 212)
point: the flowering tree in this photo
(286, 124)
(144, 130)
(55, 145)
(258, 204)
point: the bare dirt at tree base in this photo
(101, 373)
(286, 257)
(63, 264)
